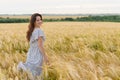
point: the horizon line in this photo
(61, 13)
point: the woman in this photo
(36, 54)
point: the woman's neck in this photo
(37, 27)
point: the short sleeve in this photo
(39, 33)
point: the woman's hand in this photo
(46, 60)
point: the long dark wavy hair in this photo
(31, 25)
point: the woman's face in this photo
(38, 21)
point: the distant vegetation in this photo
(100, 18)
(110, 18)
(13, 20)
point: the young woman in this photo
(36, 54)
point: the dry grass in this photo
(77, 51)
(45, 17)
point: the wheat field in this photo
(44, 16)
(76, 51)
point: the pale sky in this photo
(59, 6)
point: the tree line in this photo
(113, 18)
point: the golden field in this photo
(76, 51)
(45, 17)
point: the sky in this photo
(59, 6)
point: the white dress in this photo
(34, 59)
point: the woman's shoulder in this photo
(37, 30)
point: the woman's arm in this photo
(42, 48)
